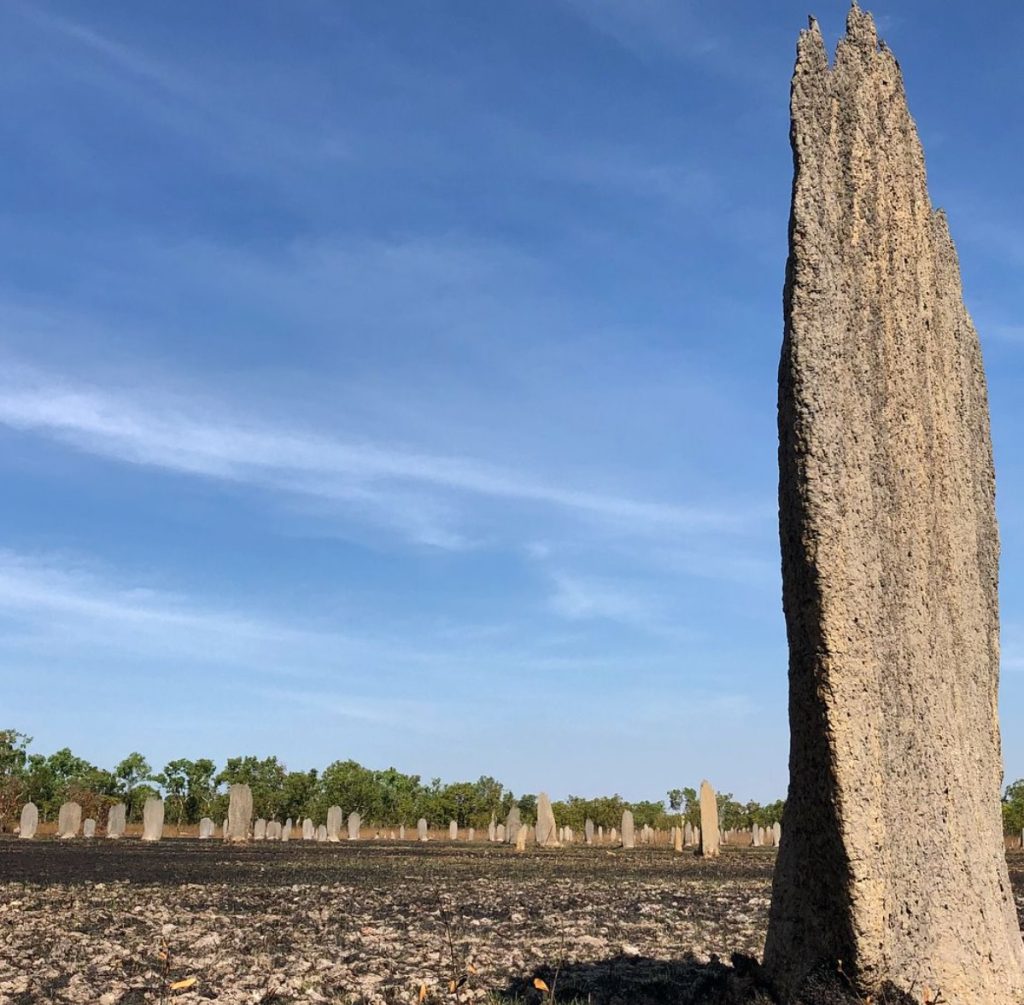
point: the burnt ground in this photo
(121, 922)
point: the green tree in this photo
(452, 802)
(381, 797)
(605, 811)
(401, 796)
(174, 782)
(731, 815)
(265, 777)
(202, 788)
(67, 766)
(13, 753)
(40, 784)
(1013, 807)
(528, 809)
(488, 799)
(299, 794)
(130, 773)
(71, 777)
(771, 813)
(13, 761)
(142, 792)
(469, 803)
(649, 812)
(188, 787)
(50, 781)
(93, 791)
(352, 787)
(685, 802)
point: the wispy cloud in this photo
(327, 705)
(64, 599)
(705, 36)
(67, 612)
(281, 147)
(185, 437)
(123, 57)
(220, 113)
(645, 26)
(581, 598)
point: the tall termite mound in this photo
(892, 852)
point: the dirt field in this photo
(106, 922)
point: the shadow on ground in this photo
(638, 980)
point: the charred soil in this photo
(117, 923)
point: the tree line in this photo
(192, 789)
(1013, 808)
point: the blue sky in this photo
(397, 381)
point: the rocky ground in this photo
(104, 922)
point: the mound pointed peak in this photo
(860, 29)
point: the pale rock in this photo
(547, 831)
(710, 839)
(69, 820)
(512, 824)
(335, 820)
(116, 820)
(239, 812)
(29, 821)
(153, 819)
